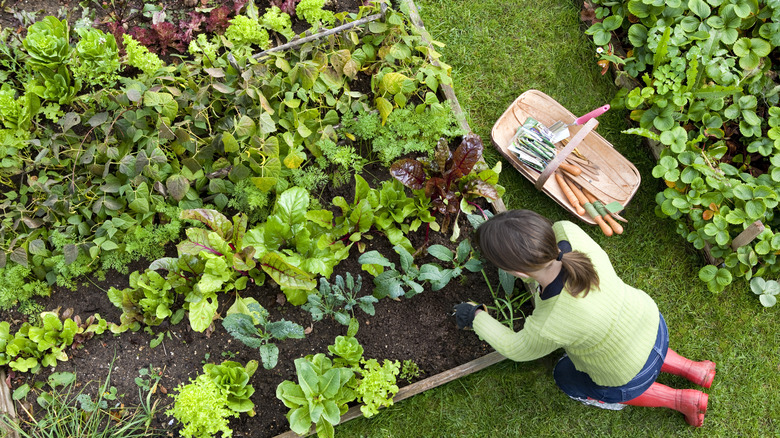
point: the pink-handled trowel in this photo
(560, 130)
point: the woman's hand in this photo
(464, 313)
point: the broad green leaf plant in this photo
(707, 91)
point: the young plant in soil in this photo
(248, 322)
(338, 300)
(461, 259)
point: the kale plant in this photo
(248, 322)
(339, 299)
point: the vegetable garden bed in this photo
(417, 329)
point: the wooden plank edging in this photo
(7, 408)
(421, 386)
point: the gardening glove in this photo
(464, 313)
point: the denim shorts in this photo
(577, 384)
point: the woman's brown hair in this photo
(524, 241)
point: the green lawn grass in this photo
(499, 49)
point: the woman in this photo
(615, 340)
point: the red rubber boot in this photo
(690, 402)
(701, 373)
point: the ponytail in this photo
(523, 240)
(581, 275)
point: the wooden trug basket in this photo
(618, 179)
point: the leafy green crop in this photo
(391, 283)
(202, 408)
(278, 21)
(312, 12)
(339, 299)
(43, 344)
(247, 321)
(232, 378)
(244, 32)
(348, 350)
(48, 43)
(139, 56)
(376, 386)
(439, 276)
(320, 396)
(98, 58)
(295, 243)
(450, 178)
(212, 132)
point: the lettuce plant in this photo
(148, 299)
(278, 21)
(245, 31)
(48, 43)
(202, 408)
(43, 344)
(312, 12)
(98, 58)
(140, 57)
(377, 385)
(320, 396)
(17, 114)
(232, 378)
(348, 350)
(56, 86)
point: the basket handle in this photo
(573, 143)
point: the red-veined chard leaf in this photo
(409, 172)
(483, 189)
(285, 274)
(197, 241)
(239, 230)
(465, 157)
(213, 219)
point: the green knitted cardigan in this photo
(608, 333)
